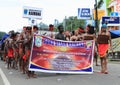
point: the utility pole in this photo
(96, 15)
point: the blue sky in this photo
(11, 11)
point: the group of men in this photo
(17, 46)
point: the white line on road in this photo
(5, 80)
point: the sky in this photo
(11, 11)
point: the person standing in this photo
(90, 35)
(67, 35)
(51, 29)
(104, 41)
(35, 30)
(76, 36)
(60, 35)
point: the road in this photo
(14, 77)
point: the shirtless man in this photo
(10, 53)
(28, 44)
(104, 42)
(20, 41)
(16, 50)
(90, 35)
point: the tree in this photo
(42, 26)
(73, 23)
(97, 6)
(100, 3)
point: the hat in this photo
(104, 26)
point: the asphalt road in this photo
(14, 77)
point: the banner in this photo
(115, 45)
(57, 56)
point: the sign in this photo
(84, 13)
(57, 56)
(115, 14)
(111, 20)
(117, 9)
(32, 12)
(32, 21)
(100, 14)
(115, 45)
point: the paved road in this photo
(14, 77)
(1, 81)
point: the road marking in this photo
(5, 80)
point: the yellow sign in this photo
(100, 14)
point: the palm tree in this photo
(100, 3)
(97, 6)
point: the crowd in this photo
(102, 41)
(17, 46)
(17, 49)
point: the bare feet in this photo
(97, 65)
(34, 75)
(106, 72)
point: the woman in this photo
(103, 40)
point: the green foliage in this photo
(73, 23)
(100, 3)
(42, 26)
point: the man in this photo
(10, 52)
(104, 41)
(51, 28)
(35, 29)
(60, 35)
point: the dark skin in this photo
(28, 43)
(104, 58)
(10, 46)
(21, 50)
(60, 35)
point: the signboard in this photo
(84, 13)
(32, 21)
(32, 12)
(100, 14)
(115, 14)
(117, 6)
(115, 45)
(57, 56)
(111, 20)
